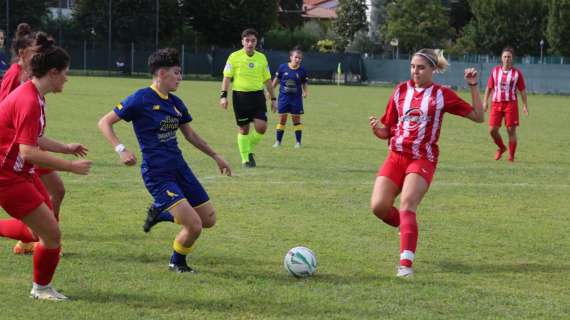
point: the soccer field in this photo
(494, 236)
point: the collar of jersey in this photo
(155, 89)
(289, 65)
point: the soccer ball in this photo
(300, 262)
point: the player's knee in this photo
(58, 193)
(408, 203)
(493, 130)
(210, 220)
(52, 238)
(380, 208)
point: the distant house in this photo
(61, 8)
(319, 9)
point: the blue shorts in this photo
(290, 106)
(169, 187)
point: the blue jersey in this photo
(156, 119)
(290, 84)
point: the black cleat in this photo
(180, 268)
(251, 161)
(151, 218)
(247, 165)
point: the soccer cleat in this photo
(151, 218)
(252, 161)
(297, 145)
(404, 272)
(47, 293)
(246, 165)
(24, 248)
(180, 268)
(511, 159)
(499, 153)
(277, 144)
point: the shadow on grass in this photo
(521, 267)
(263, 306)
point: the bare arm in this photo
(225, 87)
(200, 144)
(488, 92)
(55, 146)
(33, 154)
(305, 86)
(477, 115)
(271, 92)
(524, 101)
(105, 125)
(379, 131)
(275, 82)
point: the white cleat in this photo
(297, 145)
(404, 272)
(47, 293)
(276, 144)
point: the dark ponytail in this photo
(47, 56)
(23, 39)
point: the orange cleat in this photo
(499, 153)
(24, 248)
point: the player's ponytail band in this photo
(428, 58)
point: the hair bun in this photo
(23, 29)
(43, 40)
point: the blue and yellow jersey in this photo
(290, 83)
(156, 119)
(248, 73)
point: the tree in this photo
(498, 23)
(378, 15)
(459, 15)
(290, 14)
(31, 12)
(351, 18)
(222, 21)
(131, 20)
(417, 24)
(558, 27)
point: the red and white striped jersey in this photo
(22, 121)
(414, 117)
(505, 83)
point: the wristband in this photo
(472, 84)
(273, 99)
(120, 148)
(223, 94)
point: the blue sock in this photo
(279, 135)
(298, 135)
(178, 259)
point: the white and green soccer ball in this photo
(300, 262)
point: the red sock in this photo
(45, 262)
(16, 229)
(392, 218)
(408, 237)
(512, 149)
(499, 142)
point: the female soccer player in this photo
(412, 123)
(157, 115)
(503, 84)
(23, 47)
(292, 80)
(22, 194)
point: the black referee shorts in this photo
(249, 106)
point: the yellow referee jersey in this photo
(248, 73)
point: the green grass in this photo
(493, 242)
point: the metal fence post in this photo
(84, 57)
(132, 57)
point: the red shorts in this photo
(507, 109)
(43, 171)
(397, 166)
(23, 196)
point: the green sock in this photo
(244, 146)
(254, 140)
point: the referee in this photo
(249, 71)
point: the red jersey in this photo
(10, 81)
(505, 83)
(414, 116)
(22, 121)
